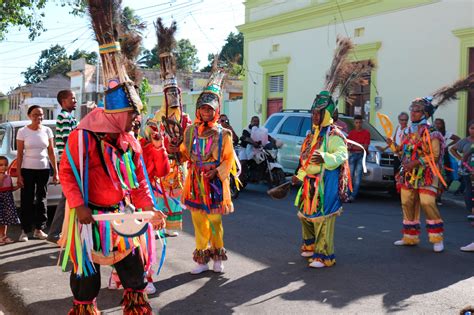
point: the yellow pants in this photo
(209, 236)
(412, 201)
(318, 237)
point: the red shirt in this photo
(156, 160)
(102, 191)
(360, 136)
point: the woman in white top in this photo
(35, 144)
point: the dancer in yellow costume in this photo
(421, 151)
(207, 147)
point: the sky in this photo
(206, 23)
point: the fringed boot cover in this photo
(135, 302)
(84, 308)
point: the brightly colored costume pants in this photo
(131, 269)
(412, 200)
(209, 235)
(169, 195)
(318, 237)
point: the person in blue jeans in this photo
(361, 136)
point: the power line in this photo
(66, 46)
(205, 35)
(152, 6)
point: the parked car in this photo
(291, 127)
(8, 132)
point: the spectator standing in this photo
(449, 140)
(462, 151)
(361, 136)
(35, 158)
(402, 125)
(65, 123)
(8, 215)
(224, 121)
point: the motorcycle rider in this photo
(224, 121)
(246, 140)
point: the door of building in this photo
(274, 105)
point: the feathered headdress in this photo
(212, 93)
(444, 95)
(342, 77)
(120, 93)
(166, 45)
(130, 43)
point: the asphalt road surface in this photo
(266, 275)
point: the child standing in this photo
(8, 215)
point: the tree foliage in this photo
(186, 57)
(231, 55)
(143, 90)
(131, 22)
(29, 14)
(55, 60)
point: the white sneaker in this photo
(40, 235)
(399, 243)
(23, 237)
(468, 248)
(113, 283)
(171, 233)
(150, 288)
(218, 266)
(438, 247)
(307, 254)
(199, 268)
(317, 264)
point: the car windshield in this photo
(53, 128)
(374, 134)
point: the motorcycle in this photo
(263, 166)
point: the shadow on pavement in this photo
(368, 263)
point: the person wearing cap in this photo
(208, 148)
(323, 172)
(421, 154)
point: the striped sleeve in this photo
(65, 123)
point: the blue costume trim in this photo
(163, 251)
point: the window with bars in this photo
(276, 84)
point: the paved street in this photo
(265, 273)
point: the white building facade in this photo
(418, 46)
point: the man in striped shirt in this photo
(65, 123)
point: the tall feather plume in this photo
(339, 63)
(448, 93)
(166, 46)
(103, 16)
(215, 64)
(130, 44)
(353, 75)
